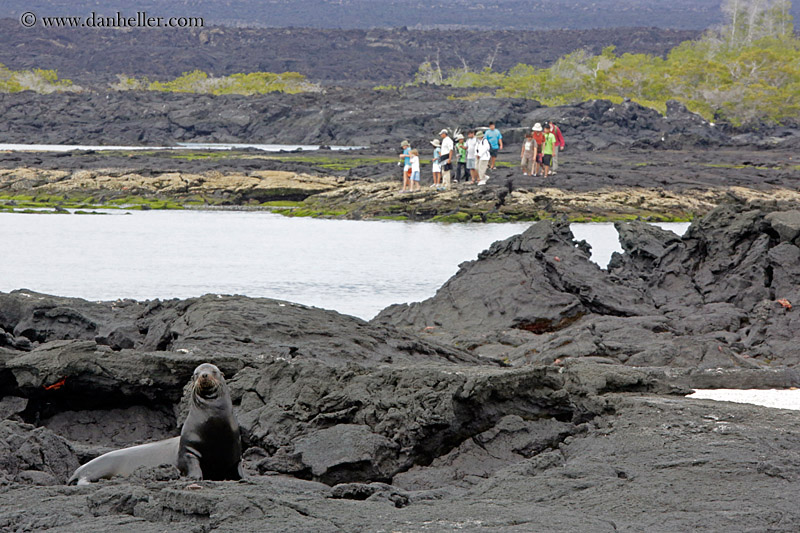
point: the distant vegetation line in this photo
(47, 81)
(745, 72)
(246, 84)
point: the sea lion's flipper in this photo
(189, 463)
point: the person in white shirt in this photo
(415, 186)
(436, 166)
(483, 154)
(472, 159)
(446, 158)
(527, 154)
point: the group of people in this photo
(539, 155)
(473, 156)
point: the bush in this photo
(745, 72)
(41, 81)
(252, 83)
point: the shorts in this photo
(493, 151)
(407, 170)
(547, 159)
(415, 176)
(437, 167)
(472, 163)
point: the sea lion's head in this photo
(207, 381)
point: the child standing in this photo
(437, 167)
(415, 186)
(527, 154)
(461, 149)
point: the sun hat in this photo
(459, 137)
(405, 143)
(537, 127)
(443, 131)
(436, 142)
(479, 134)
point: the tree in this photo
(427, 73)
(751, 20)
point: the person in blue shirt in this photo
(406, 157)
(495, 139)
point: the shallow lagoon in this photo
(355, 267)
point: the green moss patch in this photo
(281, 203)
(391, 217)
(459, 216)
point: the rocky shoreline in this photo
(533, 392)
(619, 184)
(622, 161)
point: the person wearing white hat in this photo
(446, 158)
(538, 137)
(483, 152)
(437, 167)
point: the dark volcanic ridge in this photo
(362, 117)
(719, 297)
(411, 419)
(369, 57)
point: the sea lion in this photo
(209, 446)
(123, 462)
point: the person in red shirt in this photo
(538, 137)
(555, 130)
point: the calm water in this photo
(353, 267)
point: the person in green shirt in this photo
(461, 150)
(547, 149)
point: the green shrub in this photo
(745, 72)
(38, 80)
(198, 81)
